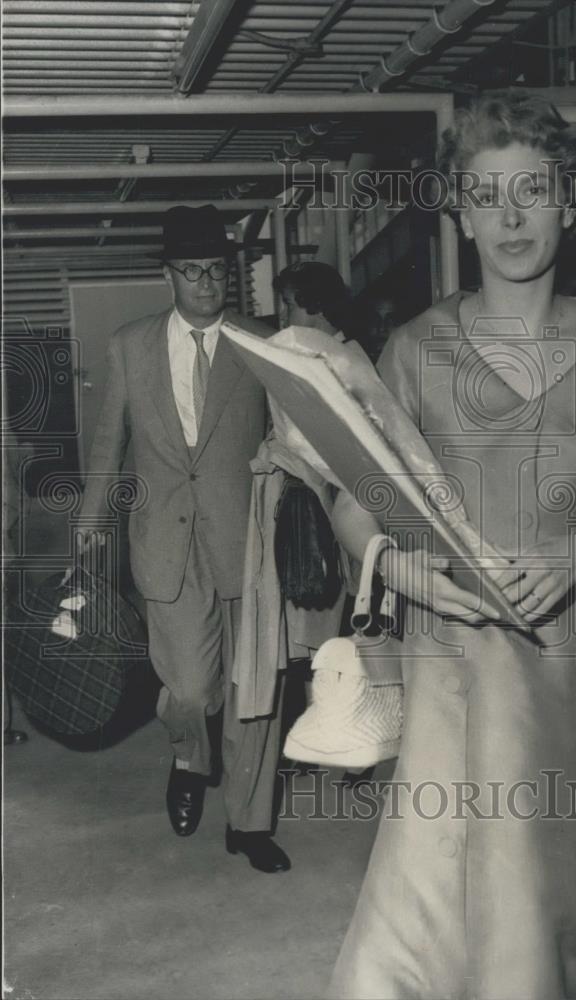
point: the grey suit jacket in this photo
(210, 492)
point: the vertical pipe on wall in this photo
(279, 231)
(450, 275)
(241, 275)
(241, 282)
(343, 243)
(449, 255)
(280, 256)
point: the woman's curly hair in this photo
(498, 119)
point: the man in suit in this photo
(195, 417)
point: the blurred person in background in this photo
(296, 576)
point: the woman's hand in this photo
(422, 578)
(539, 586)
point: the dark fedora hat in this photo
(195, 233)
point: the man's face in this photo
(514, 222)
(201, 301)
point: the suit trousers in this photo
(192, 642)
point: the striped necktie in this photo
(199, 375)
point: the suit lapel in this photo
(158, 380)
(225, 372)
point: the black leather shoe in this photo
(185, 800)
(261, 851)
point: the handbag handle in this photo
(376, 545)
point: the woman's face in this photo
(515, 213)
(297, 315)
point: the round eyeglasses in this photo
(218, 270)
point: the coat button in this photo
(447, 847)
(193, 477)
(182, 520)
(453, 684)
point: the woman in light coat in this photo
(275, 631)
(471, 887)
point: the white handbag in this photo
(355, 718)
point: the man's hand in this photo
(87, 540)
(422, 579)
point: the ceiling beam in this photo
(212, 104)
(208, 28)
(152, 250)
(127, 208)
(298, 52)
(54, 252)
(253, 226)
(127, 233)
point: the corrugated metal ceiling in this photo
(107, 46)
(81, 46)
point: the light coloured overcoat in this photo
(470, 893)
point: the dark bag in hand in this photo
(306, 551)
(70, 667)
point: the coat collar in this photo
(157, 383)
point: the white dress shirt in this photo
(182, 355)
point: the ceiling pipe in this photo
(419, 44)
(250, 168)
(449, 21)
(212, 104)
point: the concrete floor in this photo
(104, 902)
